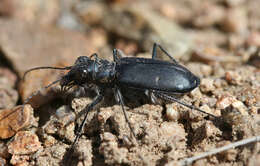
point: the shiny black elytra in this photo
(155, 77)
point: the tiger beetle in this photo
(157, 78)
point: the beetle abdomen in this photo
(155, 75)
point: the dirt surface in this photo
(217, 40)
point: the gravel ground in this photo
(217, 40)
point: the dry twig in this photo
(190, 160)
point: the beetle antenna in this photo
(34, 94)
(46, 67)
(38, 91)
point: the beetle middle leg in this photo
(121, 102)
(117, 54)
(154, 53)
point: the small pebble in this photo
(84, 152)
(3, 151)
(233, 3)
(206, 70)
(207, 109)
(196, 94)
(235, 105)
(8, 97)
(229, 155)
(2, 161)
(49, 141)
(20, 160)
(104, 114)
(218, 83)
(207, 85)
(254, 39)
(208, 15)
(233, 77)
(238, 105)
(224, 101)
(210, 129)
(168, 10)
(91, 12)
(13, 120)
(25, 142)
(7, 77)
(236, 20)
(172, 112)
(107, 136)
(65, 115)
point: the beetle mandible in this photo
(159, 78)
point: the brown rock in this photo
(229, 155)
(172, 131)
(7, 77)
(6, 7)
(139, 16)
(52, 155)
(2, 161)
(213, 54)
(91, 12)
(13, 120)
(20, 160)
(24, 142)
(172, 112)
(51, 47)
(39, 11)
(113, 154)
(208, 15)
(207, 85)
(254, 39)
(236, 20)
(233, 77)
(3, 151)
(84, 149)
(61, 124)
(224, 101)
(8, 97)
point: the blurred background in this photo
(55, 32)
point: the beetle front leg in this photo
(88, 108)
(67, 157)
(154, 54)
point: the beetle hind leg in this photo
(154, 53)
(172, 99)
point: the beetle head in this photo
(79, 74)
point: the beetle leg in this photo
(153, 98)
(89, 107)
(93, 55)
(121, 102)
(172, 99)
(97, 99)
(154, 54)
(116, 55)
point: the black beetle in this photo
(155, 77)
